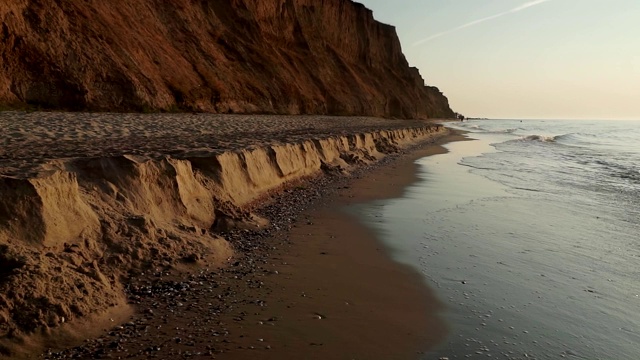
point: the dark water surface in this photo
(530, 236)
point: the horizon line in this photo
(558, 119)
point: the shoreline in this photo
(387, 306)
(237, 278)
(301, 299)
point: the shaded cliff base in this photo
(74, 235)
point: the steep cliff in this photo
(233, 56)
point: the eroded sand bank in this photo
(92, 201)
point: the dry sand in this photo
(316, 288)
(29, 140)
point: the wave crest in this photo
(541, 138)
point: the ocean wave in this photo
(540, 138)
(619, 169)
(487, 129)
(504, 131)
(568, 139)
(469, 126)
(577, 137)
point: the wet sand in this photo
(342, 297)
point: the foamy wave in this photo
(477, 127)
(541, 138)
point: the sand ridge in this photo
(316, 285)
(80, 217)
(30, 139)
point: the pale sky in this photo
(524, 59)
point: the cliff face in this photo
(233, 56)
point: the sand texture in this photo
(89, 200)
(241, 56)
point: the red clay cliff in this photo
(233, 56)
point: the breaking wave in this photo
(540, 138)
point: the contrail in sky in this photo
(476, 22)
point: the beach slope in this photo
(122, 195)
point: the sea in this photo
(529, 234)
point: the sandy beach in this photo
(32, 139)
(313, 283)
